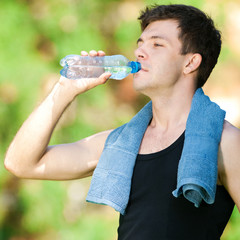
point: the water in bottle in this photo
(76, 66)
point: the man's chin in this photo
(139, 87)
(139, 83)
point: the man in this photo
(178, 48)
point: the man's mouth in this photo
(143, 68)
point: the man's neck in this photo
(170, 113)
(171, 108)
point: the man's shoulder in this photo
(230, 134)
(229, 149)
(230, 141)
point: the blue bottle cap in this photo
(136, 66)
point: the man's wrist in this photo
(62, 94)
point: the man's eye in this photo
(157, 45)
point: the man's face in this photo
(159, 54)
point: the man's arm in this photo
(229, 161)
(29, 155)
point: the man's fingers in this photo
(101, 80)
(105, 76)
(88, 83)
(93, 53)
(101, 53)
(84, 53)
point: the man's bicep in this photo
(72, 160)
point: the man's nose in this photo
(140, 53)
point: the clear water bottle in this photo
(76, 66)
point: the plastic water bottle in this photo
(76, 66)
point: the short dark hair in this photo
(197, 33)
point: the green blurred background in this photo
(34, 36)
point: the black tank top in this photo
(153, 213)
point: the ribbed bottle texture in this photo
(76, 66)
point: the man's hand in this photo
(79, 86)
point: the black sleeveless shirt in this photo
(153, 213)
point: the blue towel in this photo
(197, 171)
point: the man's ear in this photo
(193, 62)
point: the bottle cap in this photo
(136, 66)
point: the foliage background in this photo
(34, 36)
